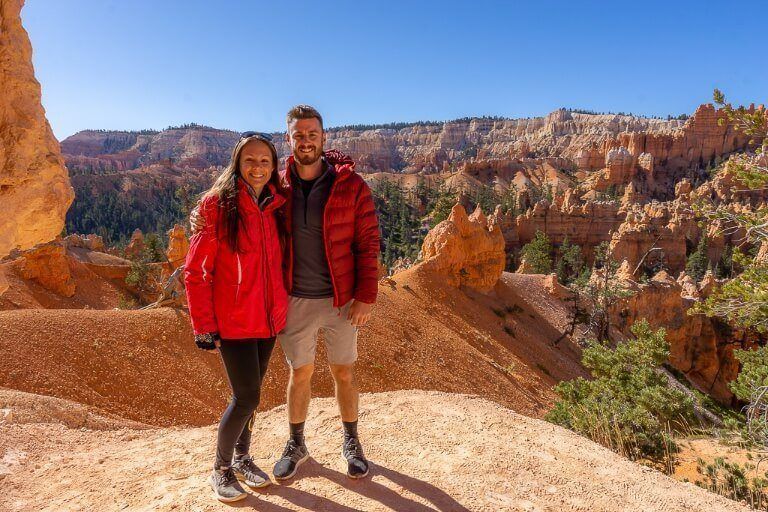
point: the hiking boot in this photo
(357, 464)
(225, 486)
(247, 471)
(293, 456)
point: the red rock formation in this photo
(195, 146)
(467, 251)
(589, 158)
(619, 169)
(34, 185)
(585, 223)
(424, 148)
(48, 265)
(178, 246)
(136, 245)
(700, 347)
(553, 286)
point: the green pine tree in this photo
(537, 254)
(628, 404)
(570, 265)
(698, 262)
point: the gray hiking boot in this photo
(225, 486)
(247, 471)
(293, 456)
(357, 464)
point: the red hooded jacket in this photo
(350, 232)
(237, 294)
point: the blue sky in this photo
(241, 65)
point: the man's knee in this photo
(344, 375)
(303, 374)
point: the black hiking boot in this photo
(357, 464)
(293, 456)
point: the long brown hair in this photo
(225, 189)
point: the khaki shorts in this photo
(306, 317)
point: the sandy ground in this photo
(431, 451)
(709, 449)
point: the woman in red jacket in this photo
(237, 298)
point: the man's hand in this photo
(196, 221)
(359, 313)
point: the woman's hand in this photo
(209, 342)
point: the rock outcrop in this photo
(34, 184)
(191, 146)
(466, 250)
(90, 242)
(178, 246)
(700, 347)
(584, 223)
(72, 273)
(135, 246)
(48, 265)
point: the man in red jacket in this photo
(331, 269)
(332, 273)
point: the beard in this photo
(308, 158)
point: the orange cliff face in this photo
(34, 184)
(466, 250)
(622, 144)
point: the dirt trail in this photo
(431, 451)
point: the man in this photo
(331, 271)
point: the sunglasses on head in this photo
(258, 135)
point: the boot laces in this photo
(225, 477)
(353, 448)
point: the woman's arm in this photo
(199, 271)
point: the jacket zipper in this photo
(265, 271)
(327, 240)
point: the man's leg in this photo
(347, 395)
(299, 393)
(341, 345)
(298, 341)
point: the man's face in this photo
(306, 138)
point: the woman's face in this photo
(256, 164)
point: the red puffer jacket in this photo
(350, 232)
(237, 294)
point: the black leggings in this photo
(246, 363)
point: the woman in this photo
(237, 298)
